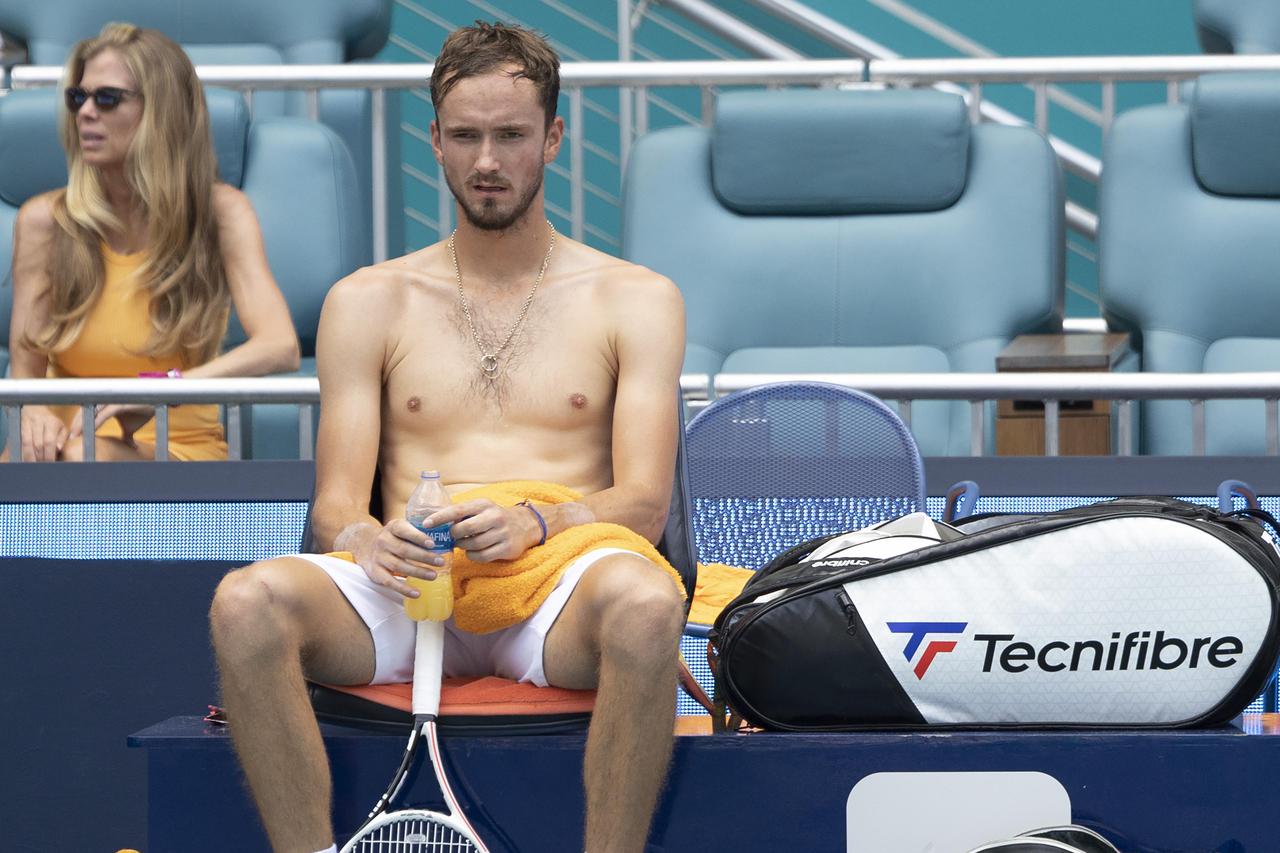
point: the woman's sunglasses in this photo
(106, 99)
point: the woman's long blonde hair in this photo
(171, 169)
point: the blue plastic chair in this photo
(779, 464)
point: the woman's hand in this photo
(43, 434)
(131, 417)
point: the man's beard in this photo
(487, 217)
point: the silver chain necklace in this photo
(489, 360)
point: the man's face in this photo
(490, 135)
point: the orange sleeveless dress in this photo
(109, 345)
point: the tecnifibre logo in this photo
(918, 631)
(1153, 649)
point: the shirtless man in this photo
(473, 369)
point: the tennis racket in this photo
(419, 830)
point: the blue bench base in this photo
(1176, 792)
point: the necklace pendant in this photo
(489, 364)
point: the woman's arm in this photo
(43, 434)
(272, 345)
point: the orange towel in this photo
(492, 596)
(718, 584)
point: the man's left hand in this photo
(489, 532)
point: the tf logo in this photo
(918, 631)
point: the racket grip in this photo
(428, 667)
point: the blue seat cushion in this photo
(835, 153)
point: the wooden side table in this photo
(1084, 426)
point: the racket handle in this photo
(428, 668)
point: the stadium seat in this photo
(246, 32)
(1238, 26)
(852, 231)
(1189, 209)
(297, 173)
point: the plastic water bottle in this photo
(435, 597)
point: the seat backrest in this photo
(1238, 26)
(779, 464)
(297, 173)
(852, 231)
(1189, 260)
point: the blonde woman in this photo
(132, 269)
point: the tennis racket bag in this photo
(1137, 612)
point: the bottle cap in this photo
(431, 475)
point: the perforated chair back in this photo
(779, 464)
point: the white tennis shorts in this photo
(514, 652)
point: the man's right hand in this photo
(393, 551)
(43, 434)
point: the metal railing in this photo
(234, 394)
(697, 389)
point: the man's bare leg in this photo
(620, 632)
(271, 623)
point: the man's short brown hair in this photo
(483, 48)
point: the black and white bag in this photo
(1138, 612)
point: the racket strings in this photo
(414, 834)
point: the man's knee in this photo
(251, 607)
(644, 613)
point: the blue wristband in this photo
(541, 521)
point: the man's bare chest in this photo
(555, 371)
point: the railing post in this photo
(378, 162)
(577, 165)
(642, 110)
(624, 93)
(13, 417)
(306, 447)
(1124, 428)
(235, 450)
(89, 432)
(1108, 104)
(977, 428)
(162, 432)
(975, 102)
(1197, 428)
(1273, 426)
(1050, 427)
(1042, 105)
